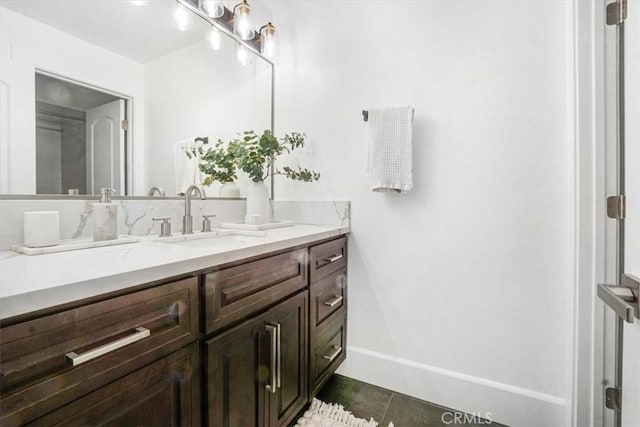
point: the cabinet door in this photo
(243, 361)
(292, 393)
(165, 393)
(236, 371)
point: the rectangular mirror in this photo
(107, 93)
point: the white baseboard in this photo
(503, 403)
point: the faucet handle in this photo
(206, 222)
(165, 226)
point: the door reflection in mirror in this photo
(80, 138)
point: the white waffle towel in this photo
(390, 149)
(186, 170)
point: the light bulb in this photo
(243, 55)
(214, 38)
(140, 2)
(242, 21)
(213, 8)
(182, 18)
(269, 41)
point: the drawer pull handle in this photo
(336, 351)
(333, 258)
(77, 359)
(336, 300)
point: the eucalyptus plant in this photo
(253, 154)
(217, 163)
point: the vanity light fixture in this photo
(212, 8)
(242, 21)
(214, 38)
(269, 41)
(182, 18)
(236, 23)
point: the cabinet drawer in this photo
(163, 393)
(327, 258)
(328, 296)
(107, 339)
(235, 293)
(328, 350)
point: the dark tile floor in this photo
(368, 401)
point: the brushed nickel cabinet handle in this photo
(336, 351)
(279, 356)
(336, 300)
(78, 359)
(333, 258)
(272, 330)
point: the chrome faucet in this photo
(187, 219)
(158, 190)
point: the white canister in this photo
(258, 205)
(41, 228)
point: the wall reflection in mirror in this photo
(110, 94)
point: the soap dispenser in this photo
(105, 213)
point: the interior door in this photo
(631, 340)
(17, 124)
(106, 147)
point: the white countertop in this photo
(30, 283)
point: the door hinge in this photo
(617, 206)
(613, 398)
(124, 125)
(617, 12)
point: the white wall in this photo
(32, 46)
(460, 290)
(214, 96)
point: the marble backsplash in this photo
(135, 215)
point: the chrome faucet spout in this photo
(187, 219)
(153, 190)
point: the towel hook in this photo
(365, 115)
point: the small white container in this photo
(41, 228)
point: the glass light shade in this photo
(140, 2)
(214, 38)
(182, 18)
(269, 41)
(243, 55)
(213, 8)
(242, 26)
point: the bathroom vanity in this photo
(246, 340)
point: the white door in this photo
(105, 147)
(631, 343)
(17, 125)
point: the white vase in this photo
(229, 189)
(258, 206)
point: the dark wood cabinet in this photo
(164, 393)
(257, 372)
(328, 313)
(242, 344)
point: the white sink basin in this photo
(214, 238)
